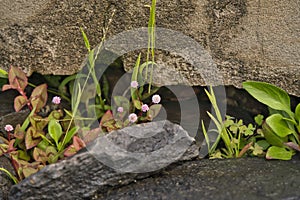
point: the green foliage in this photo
(40, 140)
(239, 139)
(282, 128)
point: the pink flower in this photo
(134, 84)
(9, 128)
(132, 117)
(56, 100)
(156, 98)
(120, 109)
(145, 107)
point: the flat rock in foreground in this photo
(143, 150)
(236, 179)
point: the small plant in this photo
(39, 140)
(282, 128)
(238, 139)
(126, 111)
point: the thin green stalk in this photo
(91, 71)
(12, 177)
(151, 41)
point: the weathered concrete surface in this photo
(245, 178)
(118, 158)
(248, 40)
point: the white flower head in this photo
(56, 100)
(145, 107)
(134, 84)
(120, 109)
(8, 128)
(156, 98)
(132, 117)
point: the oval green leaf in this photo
(279, 153)
(55, 130)
(278, 125)
(269, 95)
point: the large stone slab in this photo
(248, 40)
(244, 178)
(118, 158)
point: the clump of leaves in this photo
(39, 140)
(282, 127)
(234, 139)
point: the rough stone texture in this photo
(5, 182)
(83, 175)
(245, 178)
(248, 40)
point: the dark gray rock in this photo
(116, 159)
(236, 179)
(5, 182)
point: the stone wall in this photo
(248, 40)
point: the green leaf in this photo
(297, 113)
(134, 77)
(257, 150)
(137, 104)
(70, 135)
(121, 101)
(263, 143)
(268, 94)
(55, 130)
(23, 155)
(259, 119)
(280, 153)
(3, 74)
(278, 125)
(86, 41)
(153, 111)
(19, 103)
(271, 137)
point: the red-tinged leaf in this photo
(38, 98)
(78, 143)
(30, 141)
(11, 146)
(292, 145)
(50, 150)
(19, 134)
(40, 155)
(70, 151)
(92, 135)
(19, 103)
(27, 171)
(38, 122)
(7, 87)
(17, 78)
(106, 117)
(15, 162)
